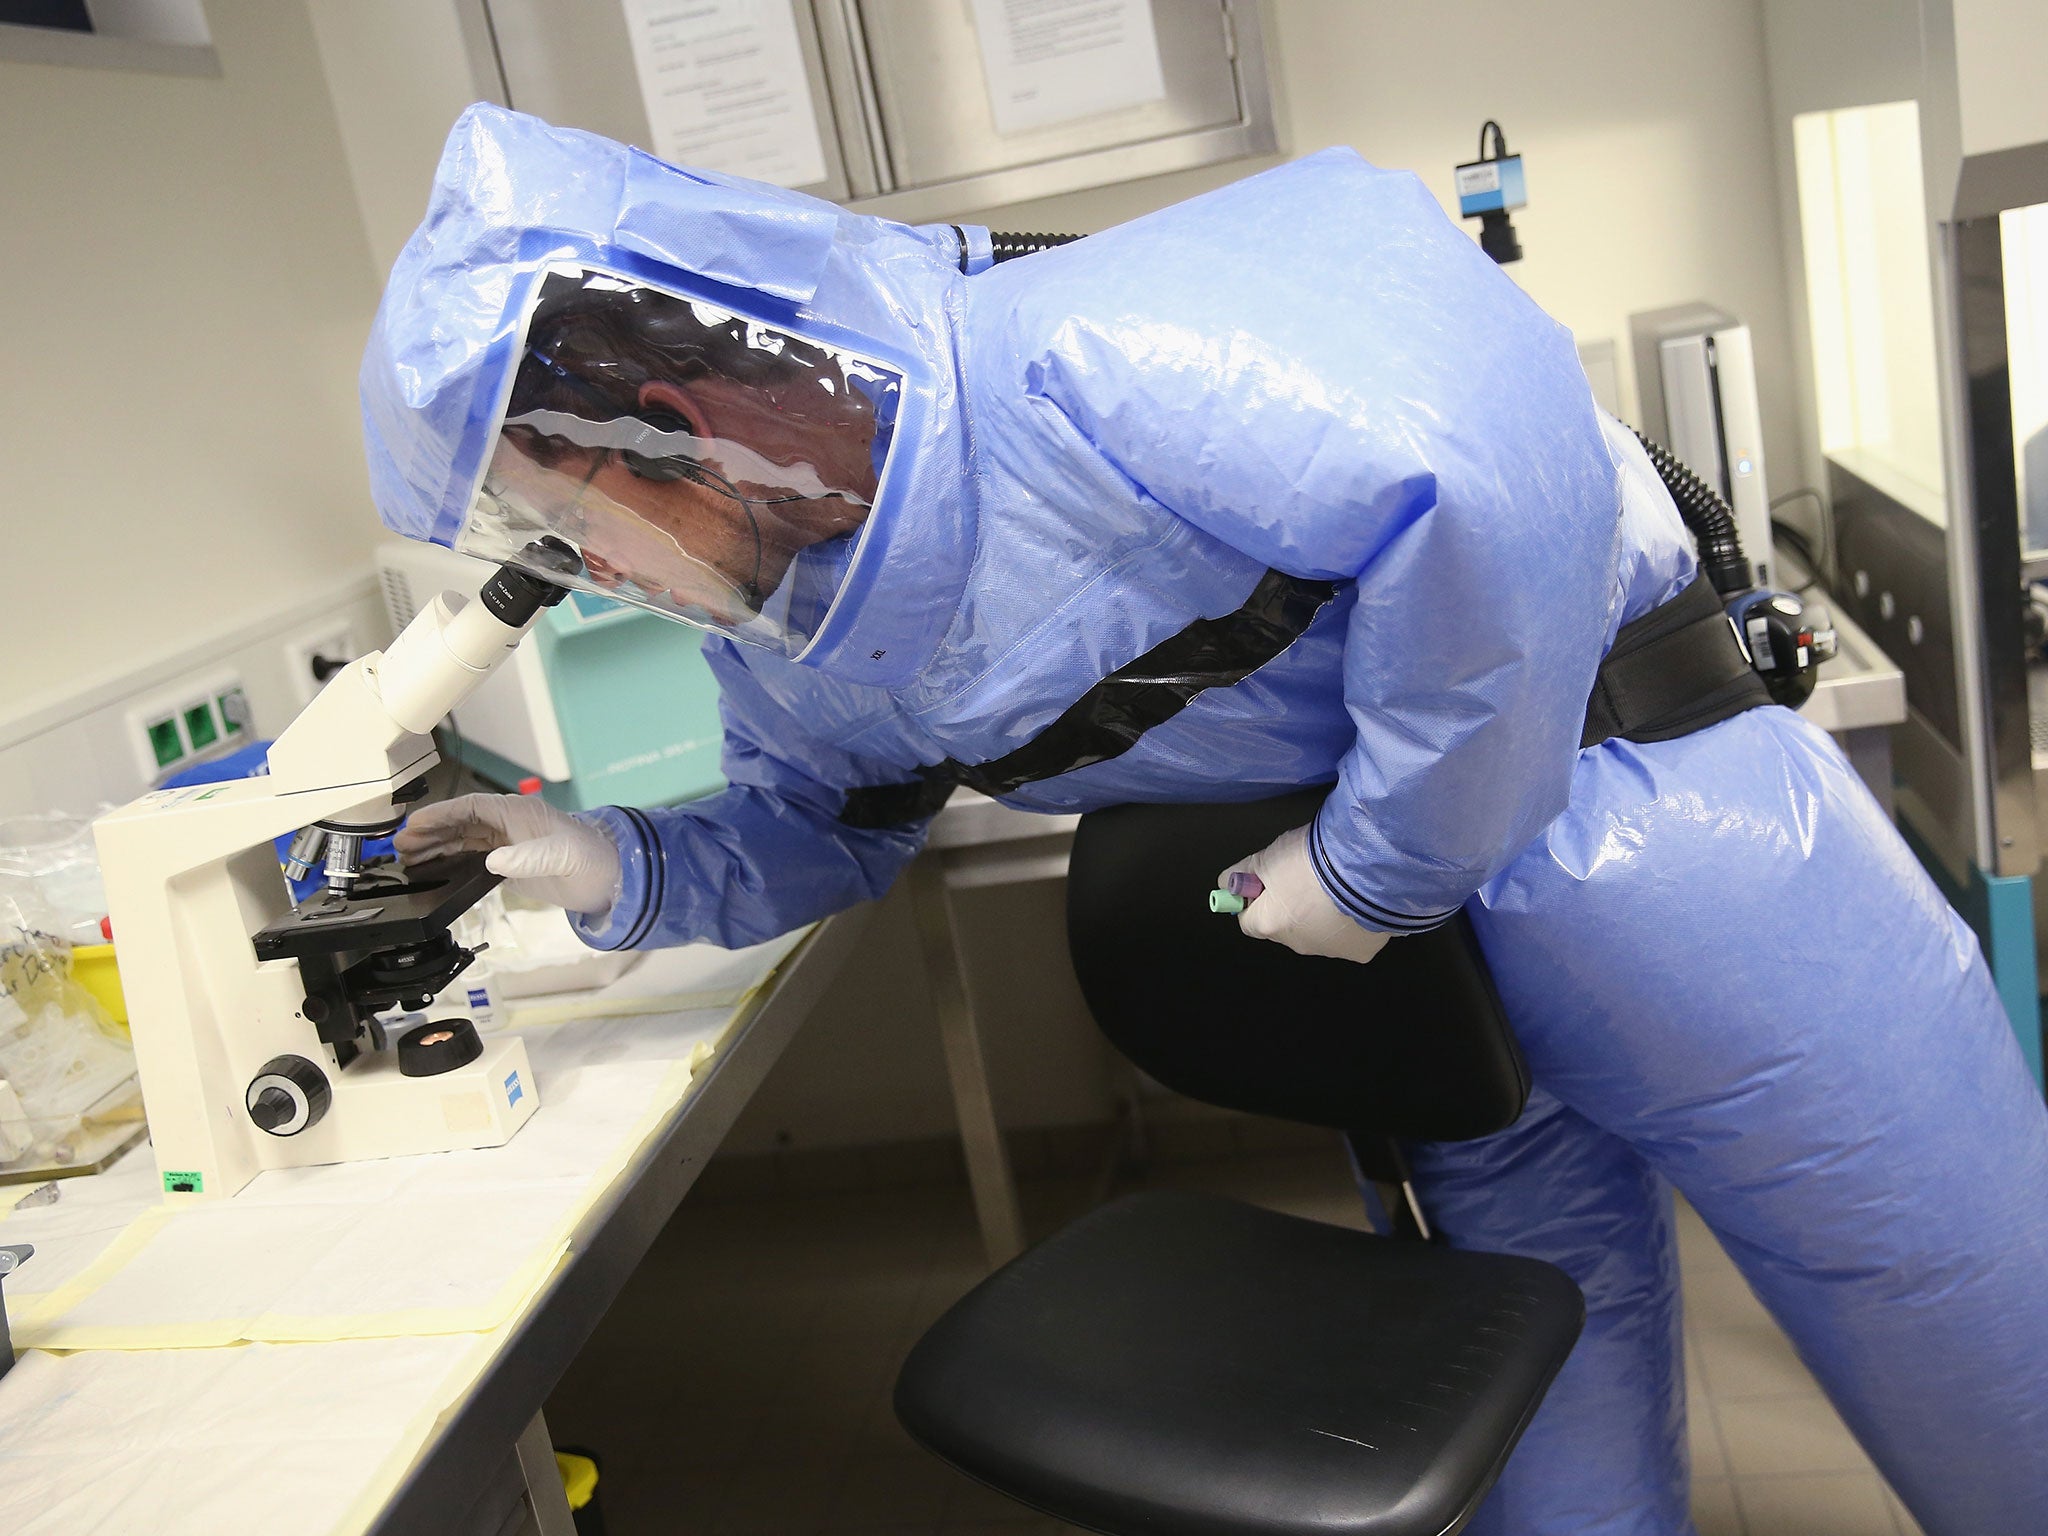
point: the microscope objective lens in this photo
(344, 859)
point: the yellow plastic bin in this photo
(579, 1469)
(93, 967)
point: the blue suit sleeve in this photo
(1385, 408)
(766, 854)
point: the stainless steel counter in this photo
(1860, 689)
(1861, 695)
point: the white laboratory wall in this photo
(399, 77)
(76, 753)
(187, 287)
(2001, 51)
(1645, 130)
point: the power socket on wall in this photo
(307, 656)
(188, 720)
(84, 750)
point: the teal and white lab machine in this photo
(604, 704)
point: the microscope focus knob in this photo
(272, 1108)
(289, 1094)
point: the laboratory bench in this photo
(609, 1244)
(378, 1429)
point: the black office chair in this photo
(1176, 1364)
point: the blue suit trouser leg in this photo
(1725, 960)
(1605, 1454)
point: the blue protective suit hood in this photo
(513, 196)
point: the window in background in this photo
(1863, 216)
(2024, 235)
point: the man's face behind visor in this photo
(704, 466)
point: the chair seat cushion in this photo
(1182, 1365)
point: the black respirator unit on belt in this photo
(1785, 637)
(1787, 640)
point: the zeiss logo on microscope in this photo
(513, 1092)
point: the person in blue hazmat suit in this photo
(1285, 485)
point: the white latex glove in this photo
(1295, 910)
(554, 857)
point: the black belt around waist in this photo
(1677, 669)
(1110, 718)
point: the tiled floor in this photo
(740, 1386)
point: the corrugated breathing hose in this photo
(1707, 516)
(1010, 247)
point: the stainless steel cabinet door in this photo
(933, 95)
(571, 62)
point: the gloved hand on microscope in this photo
(548, 854)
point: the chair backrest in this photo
(1413, 1045)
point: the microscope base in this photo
(379, 1112)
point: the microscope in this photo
(256, 1021)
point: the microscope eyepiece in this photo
(514, 596)
(517, 592)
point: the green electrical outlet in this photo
(195, 716)
(200, 727)
(165, 742)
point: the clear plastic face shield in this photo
(685, 459)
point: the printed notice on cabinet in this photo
(1052, 61)
(725, 88)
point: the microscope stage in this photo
(390, 912)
